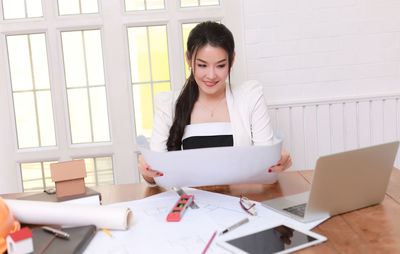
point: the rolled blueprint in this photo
(39, 212)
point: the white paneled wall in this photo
(318, 128)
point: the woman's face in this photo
(210, 69)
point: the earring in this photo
(190, 70)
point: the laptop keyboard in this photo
(298, 210)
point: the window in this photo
(84, 78)
(195, 3)
(36, 176)
(29, 73)
(80, 80)
(148, 54)
(19, 9)
(70, 7)
(186, 28)
(140, 5)
(99, 171)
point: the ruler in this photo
(181, 192)
(179, 208)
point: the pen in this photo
(209, 242)
(56, 232)
(237, 224)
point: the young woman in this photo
(209, 111)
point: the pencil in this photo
(209, 242)
(107, 232)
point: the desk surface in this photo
(369, 230)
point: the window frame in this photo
(113, 22)
(80, 1)
(10, 89)
(23, 19)
(64, 83)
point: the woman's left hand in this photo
(284, 163)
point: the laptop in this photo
(342, 182)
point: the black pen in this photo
(56, 232)
(237, 224)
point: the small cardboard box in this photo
(69, 177)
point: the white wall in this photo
(331, 71)
(322, 49)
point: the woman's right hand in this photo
(147, 173)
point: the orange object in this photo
(8, 224)
(69, 177)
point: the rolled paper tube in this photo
(43, 213)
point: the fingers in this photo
(284, 163)
(281, 167)
(145, 170)
(152, 173)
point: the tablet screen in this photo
(271, 240)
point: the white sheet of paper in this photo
(149, 232)
(230, 203)
(214, 166)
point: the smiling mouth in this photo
(210, 84)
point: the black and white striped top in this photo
(205, 135)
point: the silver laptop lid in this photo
(351, 180)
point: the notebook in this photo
(79, 239)
(341, 183)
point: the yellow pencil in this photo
(107, 232)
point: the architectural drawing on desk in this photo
(191, 244)
(221, 214)
(210, 208)
(190, 235)
(157, 211)
(177, 237)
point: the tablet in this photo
(278, 239)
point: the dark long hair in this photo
(205, 33)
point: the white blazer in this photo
(248, 113)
